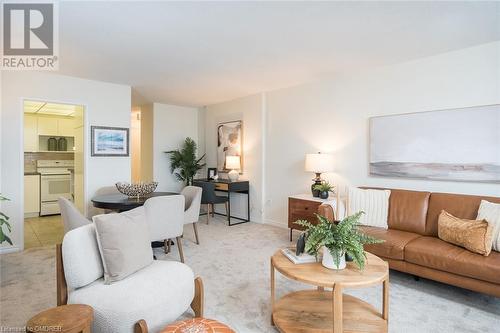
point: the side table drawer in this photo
(301, 210)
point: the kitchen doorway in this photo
(53, 168)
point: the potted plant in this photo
(4, 221)
(337, 240)
(324, 188)
(183, 163)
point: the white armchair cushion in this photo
(124, 244)
(159, 294)
(81, 258)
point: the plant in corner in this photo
(324, 188)
(4, 221)
(183, 162)
(337, 240)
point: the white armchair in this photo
(165, 216)
(71, 216)
(192, 196)
(158, 293)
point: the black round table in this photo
(120, 202)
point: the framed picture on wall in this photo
(229, 143)
(109, 141)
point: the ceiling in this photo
(199, 53)
(49, 108)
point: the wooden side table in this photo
(322, 311)
(71, 318)
(303, 207)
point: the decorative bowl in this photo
(136, 190)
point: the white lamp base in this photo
(233, 175)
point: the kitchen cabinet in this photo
(30, 133)
(31, 195)
(65, 127)
(47, 126)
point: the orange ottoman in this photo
(197, 325)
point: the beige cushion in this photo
(474, 235)
(490, 212)
(375, 204)
(124, 244)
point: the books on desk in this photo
(303, 258)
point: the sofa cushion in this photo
(81, 258)
(434, 253)
(374, 203)
(459, 205)
(395, 242)
(159, 294)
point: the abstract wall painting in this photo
(229, 143)
(109, 141)
(456, 144)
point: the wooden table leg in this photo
(272, 292)
(337, 308)
(385, 301)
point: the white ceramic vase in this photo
(328, 261)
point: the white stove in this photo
(55, 182)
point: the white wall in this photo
(171, 126)
(332, 116)
(105, 104)
(249, 110)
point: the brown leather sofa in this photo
(412, 245)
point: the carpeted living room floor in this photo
(234, 265)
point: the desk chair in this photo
(209, 198)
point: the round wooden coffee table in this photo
(319, 310)
(71, 318)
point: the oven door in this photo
(55, 186)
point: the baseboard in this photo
(275, 223)
(29, 215)
(9, 249)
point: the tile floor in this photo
(43, 231)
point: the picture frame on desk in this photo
(211, 173)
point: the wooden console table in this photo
(322, 311)
(225, 185)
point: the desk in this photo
(225, 185)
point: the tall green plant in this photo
(4, 221)
(183, 162)
(340, 238)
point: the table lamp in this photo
(318, 163)
(233, 163)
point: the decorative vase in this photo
(328, 261)
(323, 194)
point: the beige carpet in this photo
(234, 265)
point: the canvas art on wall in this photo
(456, 144)
(229, 143)
(109, 141)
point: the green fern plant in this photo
(344, 237)
(183, 162)
(4, 220)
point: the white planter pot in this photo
(328, 261)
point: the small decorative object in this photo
(62, 144)
(229, 143)
(318, 163)
(211, 173)
(324, 189)
(136, 190)
(183, 163)
(52, 144)
(4, 220)
(233, 163)
(301, 244)
(109, 141)
(216, 177)
(337, 240)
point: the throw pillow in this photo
(124, 244)
(375, 204)
(490, 212)
(474, 235)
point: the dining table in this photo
(121, 203)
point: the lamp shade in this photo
(319, 163)
(233, 162)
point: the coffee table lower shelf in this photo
(312, 311)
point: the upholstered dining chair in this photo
(165, 217)
(192, 196)
(209, 198)
(71, 216)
